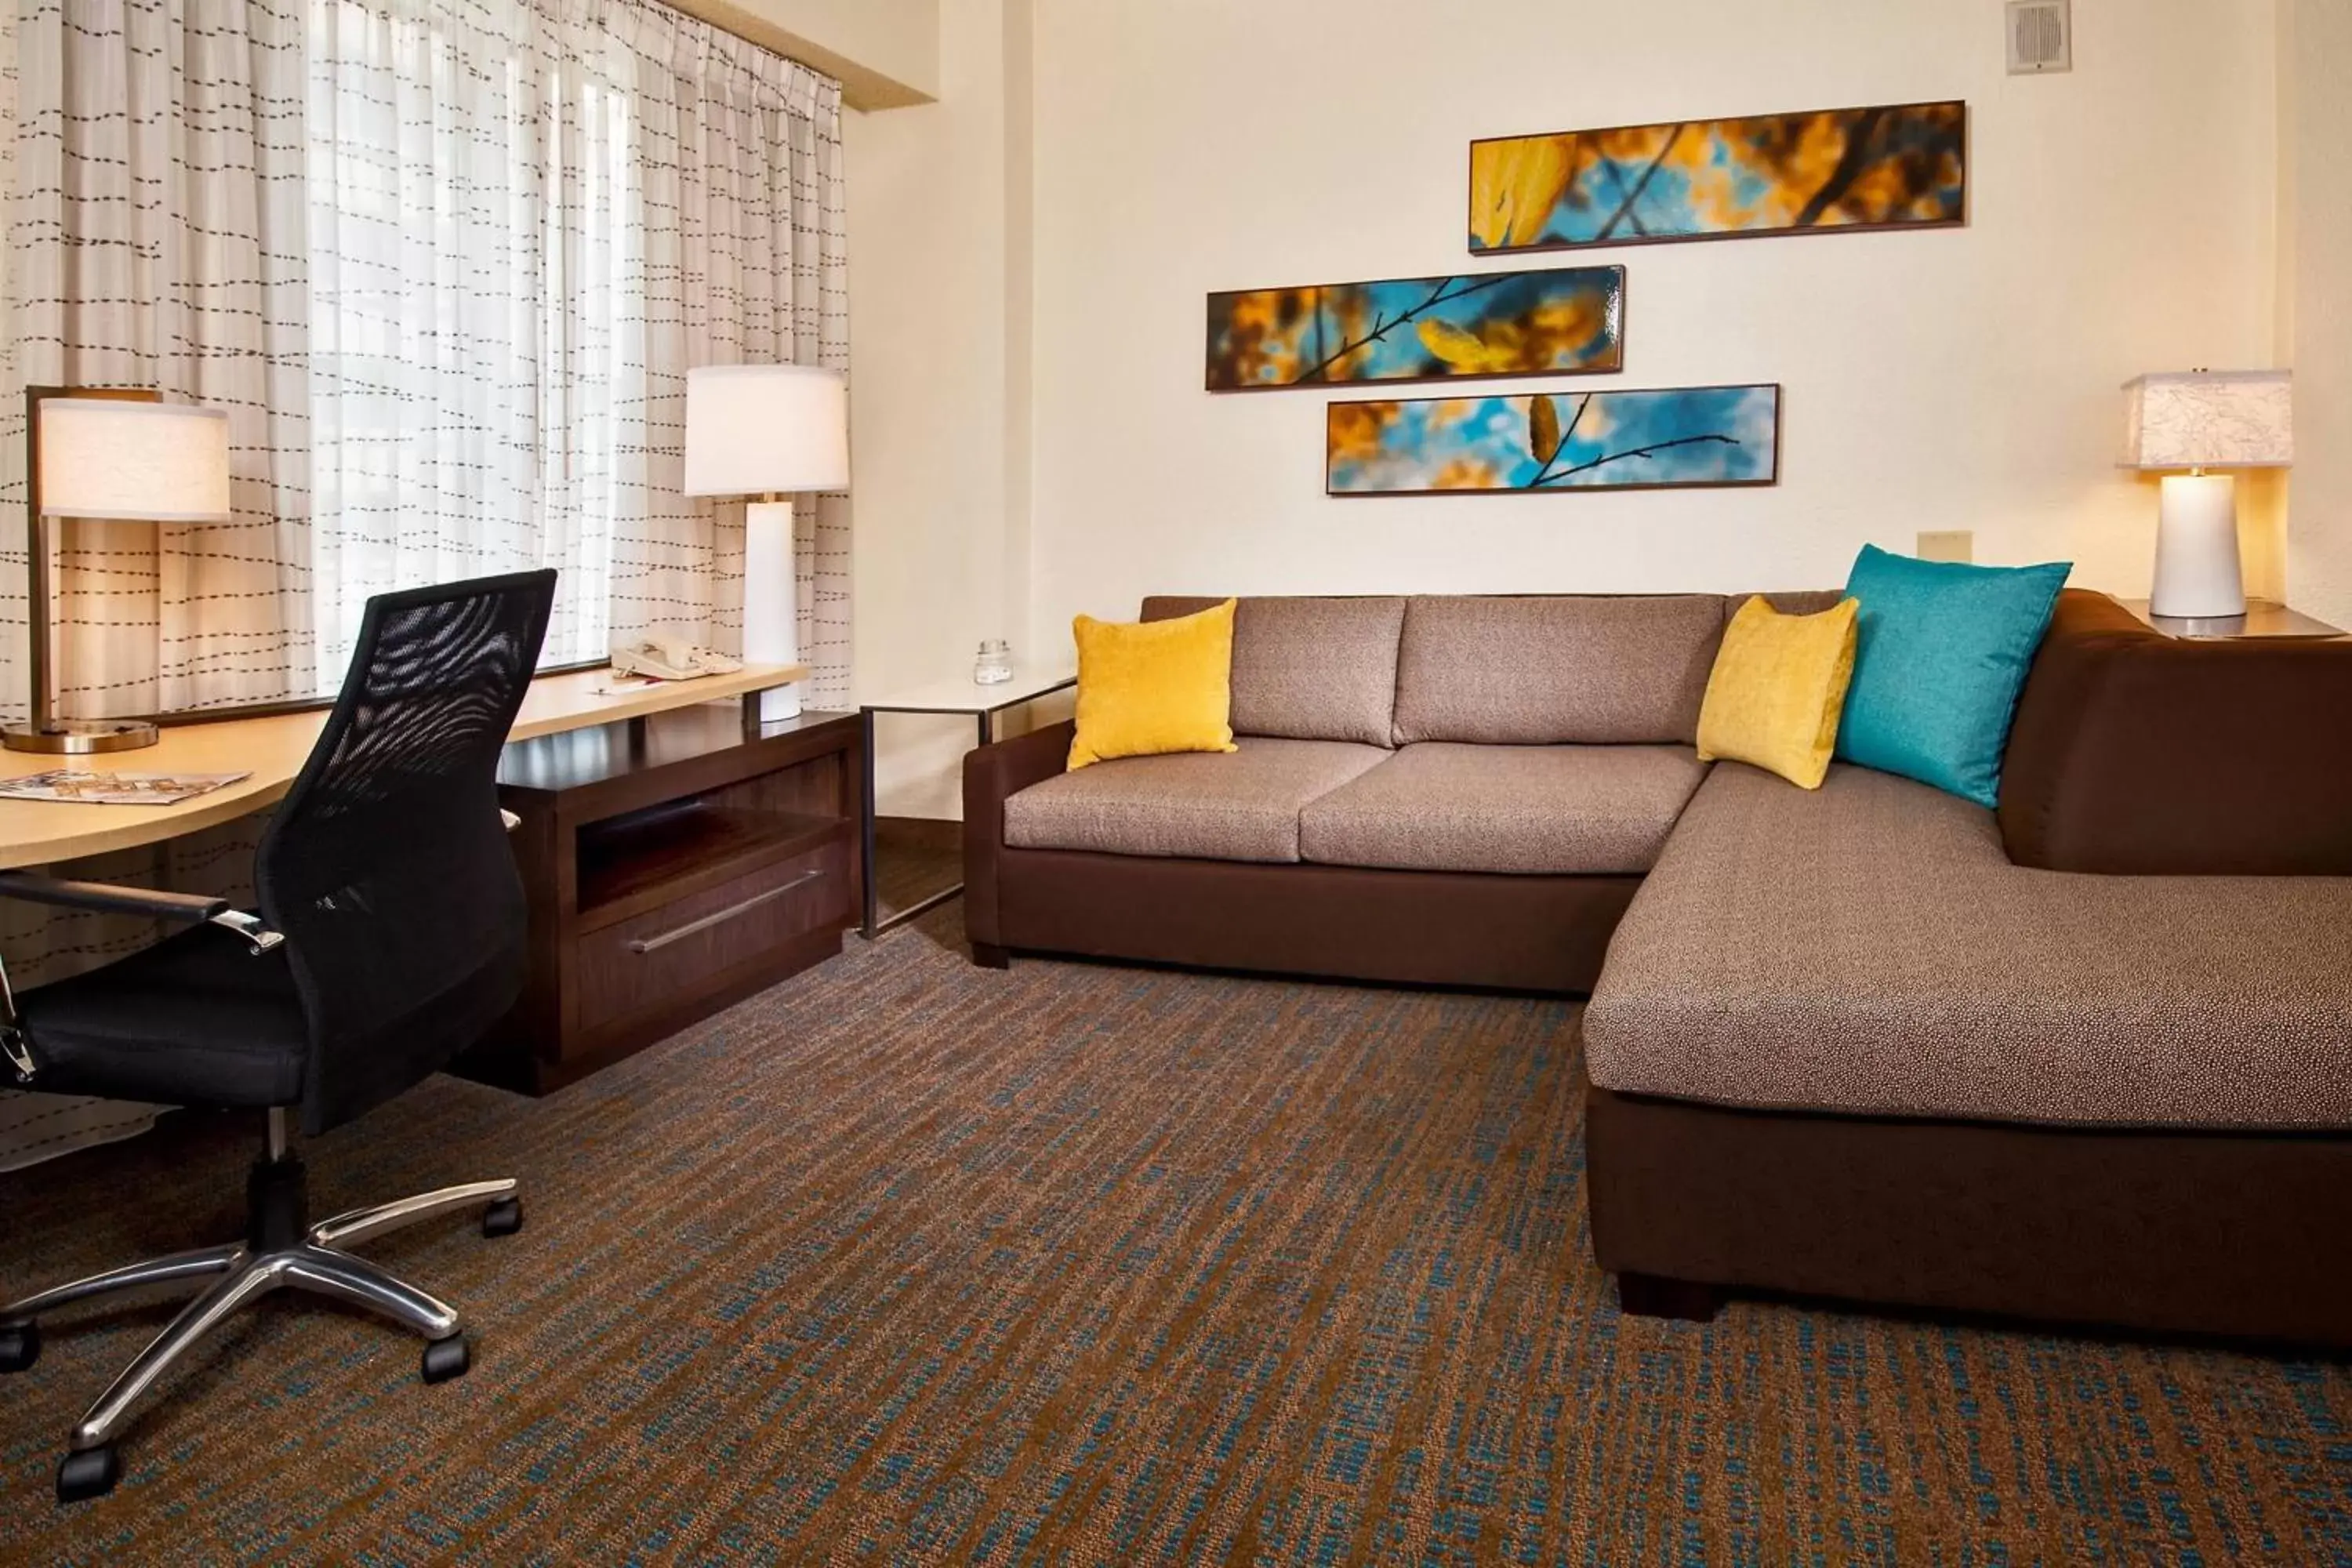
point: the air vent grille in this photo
(2041, 37)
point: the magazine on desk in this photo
(85, 786)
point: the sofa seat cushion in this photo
(1868, 948)
(1243, 805)
(1593, 810)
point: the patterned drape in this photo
(445, 262)
(446, 265)
(158, 241)
(529, 218)
(744, 220)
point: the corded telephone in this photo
(670, 658)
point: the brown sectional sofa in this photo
(1443, 791)
(1869, 1042)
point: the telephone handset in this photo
(670, 658)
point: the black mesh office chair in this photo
(390, 937)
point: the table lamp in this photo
(2199, 420)
(763, 430)
(115, 455)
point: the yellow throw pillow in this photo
(1150, 686)
(1778, 688)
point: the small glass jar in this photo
(995, 665)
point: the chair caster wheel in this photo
(88, 1472)
(20, 1346)
(445, 1359)
(503, 1217)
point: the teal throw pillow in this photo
(1942, 655)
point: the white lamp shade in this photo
(2209, 419)
(753, 428)
(139, 462)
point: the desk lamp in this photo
(115, 455)
(2199, 420)
(762, 430)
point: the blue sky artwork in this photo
(1548, 321)
(1555, 441)
(1766, 173)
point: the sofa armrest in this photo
(2133, 752)
(994, 774)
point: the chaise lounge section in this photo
(1842, 1047)
(1879, 1044)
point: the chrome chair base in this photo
(235, 1276)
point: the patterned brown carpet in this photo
(910, 1262)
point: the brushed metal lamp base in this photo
(67, 737)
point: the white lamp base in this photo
(770, 600)
(2196, 570)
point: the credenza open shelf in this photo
(674, 864)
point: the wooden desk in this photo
(271, 750)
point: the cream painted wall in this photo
(886, 53)
(1955, 379)
(2315, 260)
(940, 389)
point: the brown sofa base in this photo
(2238, 1235)
(1648, 1296)
(1434, 928)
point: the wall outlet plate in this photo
(2041, 37)
(1953, 545)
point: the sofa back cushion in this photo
(1549, 670)
(1308, 669)
(1796, 601)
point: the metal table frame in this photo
(982, 710)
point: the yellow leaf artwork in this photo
(1543, 430)
(1458, 346)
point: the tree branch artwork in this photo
(1547, 444)
(1382, 328)
(1814, 172)
(1625, 212)
(1546, 440)
(1560, 320)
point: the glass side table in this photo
(961, 696)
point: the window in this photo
(476, 312)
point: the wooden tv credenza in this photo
(674, 864)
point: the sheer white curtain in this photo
(153, 154)
(447, 263)
(528, 219)
(156, 241)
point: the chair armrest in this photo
(107, 899)
(991, 775)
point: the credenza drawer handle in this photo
(720, 917)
